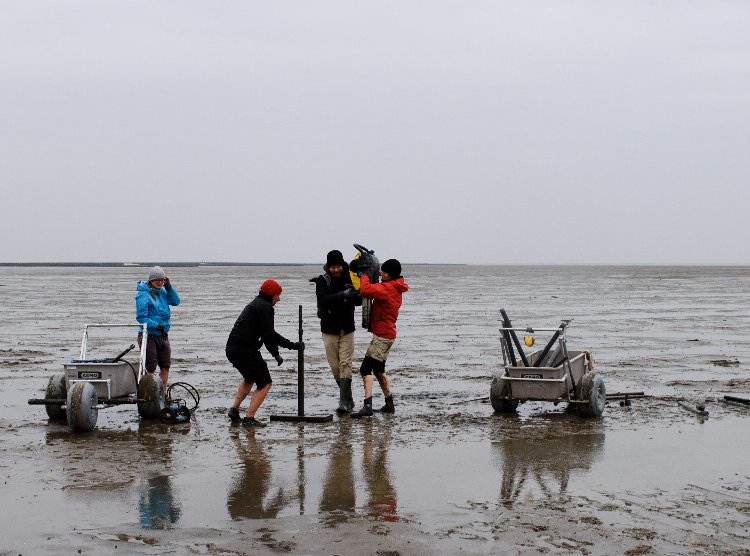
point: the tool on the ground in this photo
(699, 410)
(735, 399)
(301, 417)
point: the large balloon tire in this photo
(591, 390)
(499, 397)
(81, 407)
(56, 390)
(151, 389)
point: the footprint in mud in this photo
(640, 549)
(268, 539)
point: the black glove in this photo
(279, 359)
(354, 265)
(160, 328)
(298, 346)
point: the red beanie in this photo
(270, 287)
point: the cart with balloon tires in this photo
(553, 374)
(86, 385)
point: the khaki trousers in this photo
(339, 351)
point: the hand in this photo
(279, 359)
(299, 346)
(160, 328)
(167, 283)
(354, 265)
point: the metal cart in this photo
(551, 374)
(87, 385)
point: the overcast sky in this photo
(463, 132)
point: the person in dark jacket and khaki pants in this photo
(337, 298)
(254, 328)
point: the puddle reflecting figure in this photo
(248, 492)
(129, 460)
(158, 507)
(382, 502)
(338, 499)
(548, 461)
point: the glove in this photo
(160, 328)
(299, 346)
(354, 265)
(279, 359)
(167, 283)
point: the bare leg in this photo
(242, 392)
(384, 386)
(367, 379)
(258, 396)
(164, 375)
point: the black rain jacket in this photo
(336, 312)
(254, 328)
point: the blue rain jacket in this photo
(153, 309)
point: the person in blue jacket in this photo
(152, 301)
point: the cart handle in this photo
(144, 341)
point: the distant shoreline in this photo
(177, 265)
(216, 264)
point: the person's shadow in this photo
(248, 491)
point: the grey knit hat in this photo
(157, 273)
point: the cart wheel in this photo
(81, 407)
(499, 396)
(56, 390)
(591, 389)
(151, 389)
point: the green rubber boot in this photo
(345, 394)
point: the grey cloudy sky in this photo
(465, 132)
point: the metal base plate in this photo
(303, 418)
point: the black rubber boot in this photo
(345, 394)
(388, 407)
(366, 410)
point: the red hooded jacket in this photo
(386, 298)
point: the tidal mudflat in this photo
(443, 475)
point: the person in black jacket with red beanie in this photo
(337, 298)
(254, 328)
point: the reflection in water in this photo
(248, 492)
(383, 502)
(549, 461)
(114, 454)
(157, 506)
(338, 500)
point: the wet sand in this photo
(442, 476)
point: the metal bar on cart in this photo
(506, 322)
(144, 341)
(537, 380)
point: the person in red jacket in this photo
(386, 297)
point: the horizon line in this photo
(191, 264)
